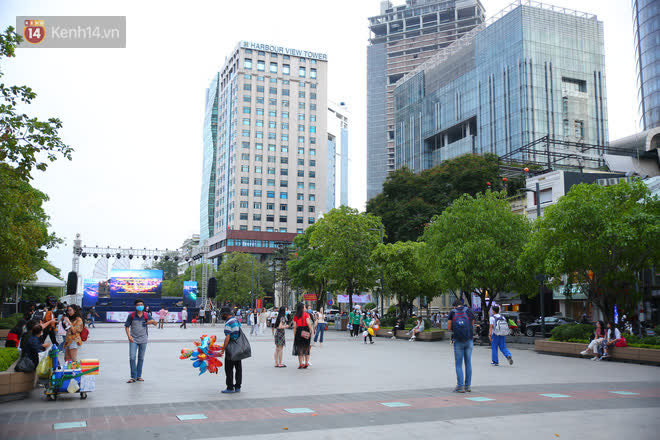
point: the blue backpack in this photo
(461, 326)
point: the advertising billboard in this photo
(90, 292)
(190, 292)
(133, 283)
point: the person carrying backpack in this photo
(460, 323)
(497, 333)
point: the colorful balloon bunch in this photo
(205, 355)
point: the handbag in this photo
(305, 334)
(25, 365)
(84, 334)
(239, 348)
(621, 342)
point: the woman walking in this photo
(320, 327)
(302, 329)
(74, 326)
(365, 323)
(280, 340)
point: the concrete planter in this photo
(12, 382)
(632, 354)
(433, 335)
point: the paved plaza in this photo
(392, 389)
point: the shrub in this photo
(269, 306)
(644, 340)
(9, 322)
(391, 311)
(567, 332)
(8, 356)
(369, 306)
(388, 321)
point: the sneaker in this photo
(459, 389)
(393, 337)
(237, 390)
(227, 391)
(510, 359)
(468, 389)
(599, 359)
(584, 352)
(595, 358)
(494, 364)
(372, 342)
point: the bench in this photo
(630, 354)
(13, 383)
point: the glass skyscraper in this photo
(528, 72)
(646, 25)
(402, 38)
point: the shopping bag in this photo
(43, 369)
(239, 349)
(73, 386)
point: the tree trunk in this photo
(349, 290)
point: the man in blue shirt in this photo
(232, 331)
(460, 323)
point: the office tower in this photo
(403, 37)
(265, 140)
(527, 73)
(338, 117)
(646, 25)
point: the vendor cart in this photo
(69, 380)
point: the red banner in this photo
(309, 297)
(259, 303)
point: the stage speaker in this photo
(72, 284)
(212, 287)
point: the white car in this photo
(331, 315)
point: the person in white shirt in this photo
(214, 317)
(273, 318)
(497, 331)
(184, 317)
(263, 317)
(613, 335)
(417, 329)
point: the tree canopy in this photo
(406, 274)
(410, 200)
(346, 238)
(600, 237)
(475, 244)
(307, 268)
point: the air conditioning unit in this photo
(612, 180)
(602, 182)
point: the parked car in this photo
(550, 322)
(332, 314)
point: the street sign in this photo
(309, 297)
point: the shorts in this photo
(72, 346)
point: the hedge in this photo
(8, 356)
(581, 333)
(9, 322)
(567, 332)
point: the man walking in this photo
(184, 317)
(497, 332)
(460, 323)
(138, 335)
(162, 314)
(232, 331)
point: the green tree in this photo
(308, 267)
(406, 273)
(234, 278)
(409, 200)
(169, 267)
(475, 244)
(600, 237)
(24, 235)
(346, 238)
(24, 143)
(25, 140)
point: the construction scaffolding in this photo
(547, 154)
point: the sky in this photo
(134, 116)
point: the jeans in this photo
(229, 373)
(183, 323)
(136, 350)
(463, 352)
(498, 342)
(91, 324)
(320, 329)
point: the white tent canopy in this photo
(44, 279)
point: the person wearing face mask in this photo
(138, 334)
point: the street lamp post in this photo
(382, 287)
(539, 277)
